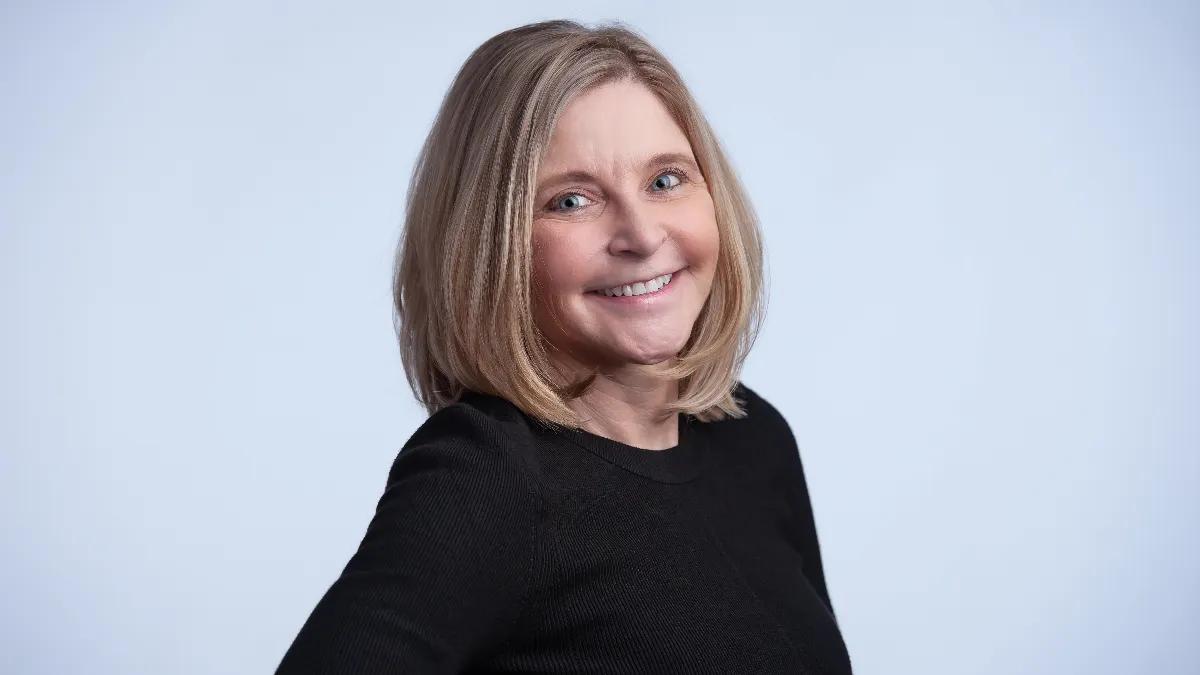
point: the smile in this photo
(638, 288)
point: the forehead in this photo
(615, 126)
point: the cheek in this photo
(557, 263)
(701, 239)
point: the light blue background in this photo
(983, 236)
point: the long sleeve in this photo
(796, 486)
(443, 571)
(814, 570)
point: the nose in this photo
(636, 231)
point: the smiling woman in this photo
(595, 491)
(617, 212)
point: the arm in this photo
(796, 488)
(810, 545)
(443, 570)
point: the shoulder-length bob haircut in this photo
(462, 278)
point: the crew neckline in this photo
(680, 463)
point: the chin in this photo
(645, 359)
(643, 353)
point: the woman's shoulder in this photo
(476, 439)
(473, 419)
(759, 411)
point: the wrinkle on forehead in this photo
(611, 131)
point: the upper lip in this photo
(636, 280)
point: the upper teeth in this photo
(639, 287)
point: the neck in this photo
(625, 404)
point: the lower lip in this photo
(644, 298)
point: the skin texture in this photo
(620, 198)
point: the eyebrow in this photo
(661, 159)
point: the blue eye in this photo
(665, 181)
(571, 201)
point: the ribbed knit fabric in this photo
(503, 546)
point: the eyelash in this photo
(683, 175)
(680, 173)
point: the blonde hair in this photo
(462, 282)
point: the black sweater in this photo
(502, 546)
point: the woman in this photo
(594, 491)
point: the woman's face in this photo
(620, 204)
